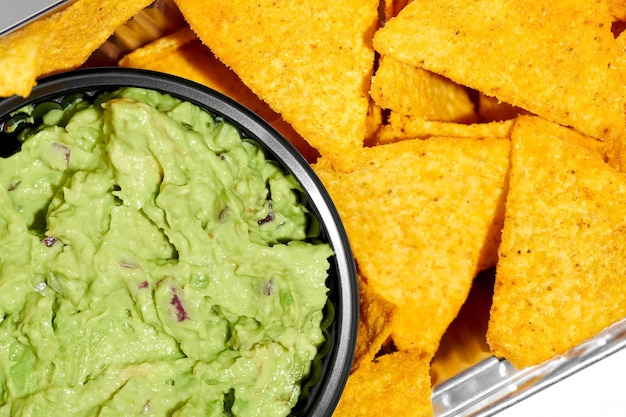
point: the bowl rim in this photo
(337, 362)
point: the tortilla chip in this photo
(400, 127)
(393, 385)
(558, 61)
(311, 61)
(376, 320)
(419, 93)
(423, 217)
(61, 41)
(560, 276)
(183, 54)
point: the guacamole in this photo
(152, 263)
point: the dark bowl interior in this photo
(330, 371)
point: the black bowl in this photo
(321, 392)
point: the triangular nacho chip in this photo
(423, 216)
(311, 61)
(560, 276)
(561, 64)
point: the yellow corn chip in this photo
(423, 216)
(401, 127)
(419, 93)
(558, 61)
(311, 61)
(62, 41)
(393, 385)
(560, 276)
(376, 320)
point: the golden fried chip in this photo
(393, 385)
(423, 216)
(558, 61)
(376, 320)
(62, 41)
(311, 61)
(419, 93)
(183, 54)
(560, 276)
(401, 127)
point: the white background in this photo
(596, 391)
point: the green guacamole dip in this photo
(153, 263)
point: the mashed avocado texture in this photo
(152, 263)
